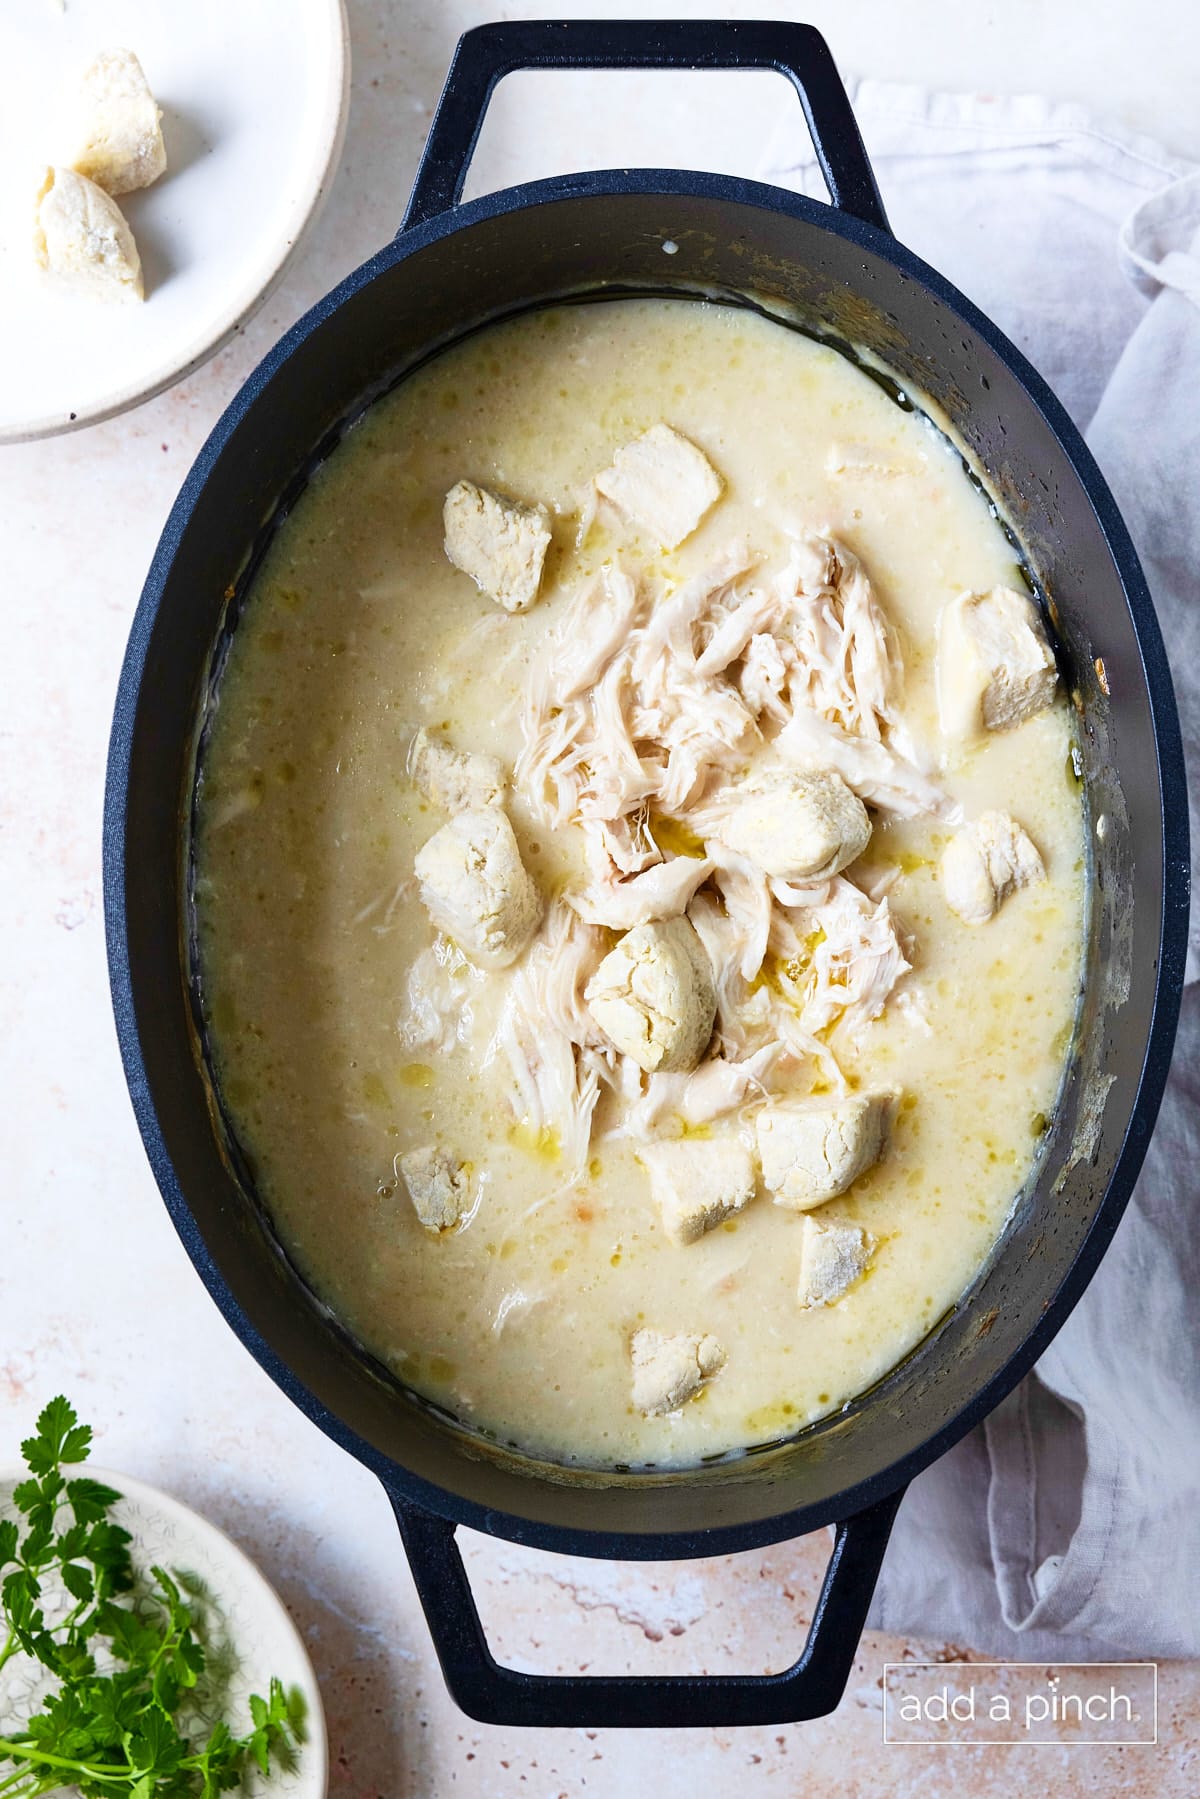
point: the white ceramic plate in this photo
(251, 1615)
(254, 96)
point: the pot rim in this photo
(443, 1502)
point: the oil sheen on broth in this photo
(358, 631)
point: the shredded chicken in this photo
(663, 698)
(668, 1104)
(729, 636)
(438, 1013)
(617, 713)
(555, 1054)
(855, 963)
(747, 899)
(660, 892)
(758, 1015)
(847, 660)
(624, 845)
(763, 679)
(593, 632)
(649, 704)
(721, 935)
(874, 770)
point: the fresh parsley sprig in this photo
(123, 1665)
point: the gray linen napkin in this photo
(1068, 1525)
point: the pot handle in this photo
(483, 1689)
(489, 52)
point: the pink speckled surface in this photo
(96, 1295)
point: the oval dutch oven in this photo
(837, 269)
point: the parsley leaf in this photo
(126, 1656)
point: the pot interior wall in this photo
(564, 242)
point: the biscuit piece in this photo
(995, 668)
(120, 144)
(653, 996)
(663, 483)
(669, 1370)
(985, 862)
(437, 1185)
(454, 780)
(81, 238)
(500, 544)
(813, 1150)
(476, 888)
(798, 827)
(698, 1183)
(832, 1257)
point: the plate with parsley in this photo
(142, 1654)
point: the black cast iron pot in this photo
(838, 270)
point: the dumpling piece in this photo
(813, 1150)
(81, 238)
(437, 1185)
(476, 888)
(985, 862)
(120, 144)
(698, 1183)
(653, 996)
(995, 668)
(799, 826)
(669, 1370)
(663, 483)
(832, 1257)
(499, 543)
(454, 780)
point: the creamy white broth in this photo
(358, 631)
